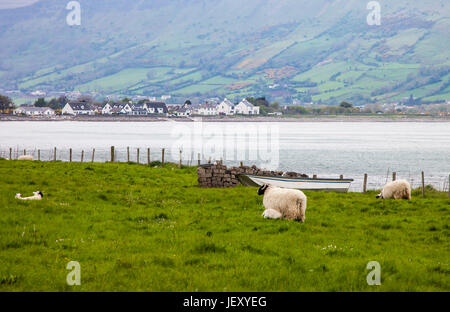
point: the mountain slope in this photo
(294, 49)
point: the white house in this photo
(246, 108)
(206, 109)
(226, 107)
(158, 108)
(78, 108)
(34, 111)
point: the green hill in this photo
(321, 51)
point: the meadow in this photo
(138, 228)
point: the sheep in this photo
(25, 157)
(283, 203)
(399, 189)
(37, 196)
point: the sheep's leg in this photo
(271, 214)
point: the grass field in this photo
(135, 228)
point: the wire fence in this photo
(189, 158)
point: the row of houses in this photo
(226, 107)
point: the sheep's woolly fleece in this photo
(37, 196)
(25, 157)
(283, 203)
(399, 189)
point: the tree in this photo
(5, 103)
(58, 103)
(346, 105)
(41, 102)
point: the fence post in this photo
(137, 156)
(241, 164)
(423, 185)
(162, 158)
(112, 153)
(70, 155)
(209, 160)
(128, 154)
(54, 154)
(394, 176)
(10, 153)
(179, 165)
(148, 156)
(365, 183)
(93, 154)
(341, 177)
(199, 159)
(39, 155)
(82, 156)
(24, 151)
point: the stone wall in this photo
(218, 175)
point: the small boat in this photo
(331, 185)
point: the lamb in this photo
(283, 203)
(37, 196)
(399, 189)
(25, 157)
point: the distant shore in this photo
(303, 118)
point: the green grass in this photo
(135, 228)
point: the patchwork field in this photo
(136, 228)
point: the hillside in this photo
(322, 51)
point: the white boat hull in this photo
(332, 185)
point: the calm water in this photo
(327, 149)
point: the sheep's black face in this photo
(40, 193)
(379, 196)
(262, 189)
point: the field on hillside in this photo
(135, 228)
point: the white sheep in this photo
(25, 157)
(399, 189)
(37, 196)
(283, 203)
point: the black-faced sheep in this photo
(283, 203)
(37, 196)
(399, 189)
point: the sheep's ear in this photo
(40, 193)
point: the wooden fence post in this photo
(148, 156)
(199, 159)
(112, 153)
(394, 176)
(54, 154)
(10, 153)
(128, 154)
(137, 156)
(365, 183)
(93, 154)
(24, 151)
(162, 158)
(70, 155)
(423, 184)
(241, 164)
(39, 155)
(82, 156)
(179, 165)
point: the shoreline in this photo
(331, 118)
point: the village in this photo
(144, 108)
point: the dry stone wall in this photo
(218, 175)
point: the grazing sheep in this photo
(399, 189)
(37, 196)
(25, 157)
(283, 203)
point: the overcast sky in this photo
(9, 4)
